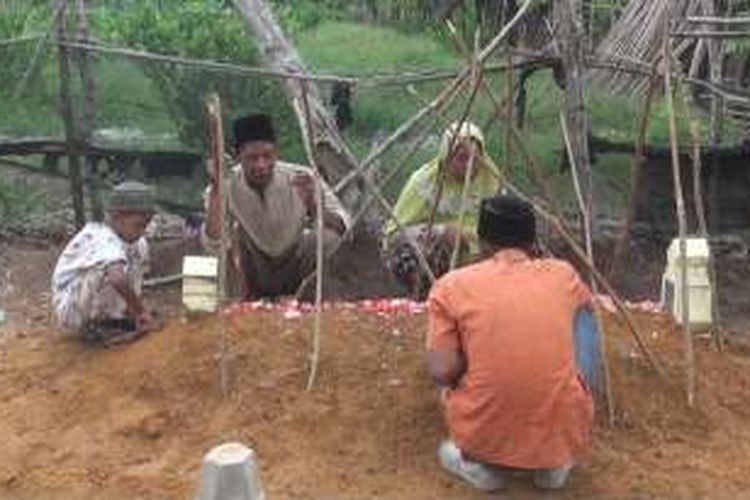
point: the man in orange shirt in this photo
(500, 344)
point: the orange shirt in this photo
(520, 402)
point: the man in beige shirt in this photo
(271, 211)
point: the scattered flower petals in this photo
(293, 309)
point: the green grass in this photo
(127, 99)
(124, 99)
(358, 49)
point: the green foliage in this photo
(201, 30)
(17, 22)
(19, 202)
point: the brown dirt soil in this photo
(134, 421)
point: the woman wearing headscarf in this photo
(457, 179)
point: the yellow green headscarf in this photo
(417, 199)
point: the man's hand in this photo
(213, 176)
(446, 367)
(148, 321)
(304, 183)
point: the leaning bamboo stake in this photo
(681, 219)
(443, 167)
(440, 101)
(608, 288)
(509, 116)
(23, 83)
(536, 169)
(216, 153)
(586, 213)
(388, 209)
(583, 206)
(308, 136)
(468, 177)
(621, 245)
(89, 112)
(392, 173)
(716, 322)
(68, 116)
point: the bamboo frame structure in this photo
(88, 118)
(681, 220)
(216, 153)
(308, 134)
(68, 115)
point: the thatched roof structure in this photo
(638, 36)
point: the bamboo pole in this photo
(710, 34)
(468, 177)
(681, 221)
(608, 288)
(308, 134)
(23, 83)
(699, 201)
(89, 111)
(718, 20)
(621, 245)
(583, 206)
(66, 107)
(509, 118)
(443, 167)
(446, 95)
(585, 212)
(216, 153)
(366, 81)
(439, 102)
(369, 197)
(536, 169)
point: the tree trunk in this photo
(330, 151)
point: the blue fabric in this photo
(586, 342)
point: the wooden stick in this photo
(621, 245)
(710, 34)
(365, 81)
(509, 118)
(71, 133)
(443, 167)
(369, 198)
(608, 288)
(468, 177)
(441, 100)
(21, 39)
(89, 112)
(216, 153)
(162, 280)
(308, 136)
(536, 169)
(23, 83)
(583, 206)
(681, 221)
(716, 322)
(718, 20)
(586, 214)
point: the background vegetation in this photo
(157, 105)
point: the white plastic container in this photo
(230, 472)
(200, 283)
(700, 293)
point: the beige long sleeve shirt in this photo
(275, 219)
